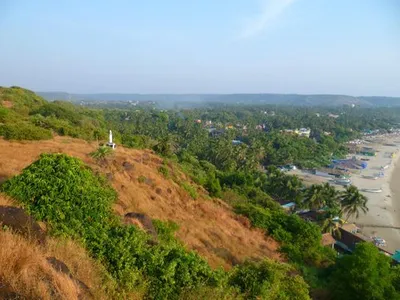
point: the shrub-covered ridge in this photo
(65, 193)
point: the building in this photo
(304, 132)
(328, 240)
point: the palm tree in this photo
(314, 197)
(331, 226)
(332, 198)
(353, 202)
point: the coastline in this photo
(384, 207)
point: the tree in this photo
(315, 197)
(363, 275)
(331, 226)
(167, 146)
(353, 202)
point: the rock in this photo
(61, 267)
(159, 191)
(127, 166)
(142, 221)
(109, 176)
(16, 219)
(58, 265)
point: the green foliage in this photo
(269, 280)
(137, 141)
(366, 274)
(353, 202)
(164, 171)
(142, 179)
(101, 153)
(25, 131)
(301, 240)
(190, 189)
(23, 101)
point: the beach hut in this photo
(328, 240)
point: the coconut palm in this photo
(353, 202)
(332, 225)
(332, 197)
(314, 197)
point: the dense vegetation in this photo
(233, 152)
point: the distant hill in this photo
(169, 100)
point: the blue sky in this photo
(202, 46)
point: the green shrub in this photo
(101, 153)
(142, 179)
(269, 280)
(164, 171)
(190, 189)
(25, 131)
(301, 240)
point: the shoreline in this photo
(383, 207)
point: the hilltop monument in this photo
(110, 141)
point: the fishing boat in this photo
(369, 177)
(342, 181)
(372, 190)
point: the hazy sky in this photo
(202, 46)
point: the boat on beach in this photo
(372, 190)
(369, 177)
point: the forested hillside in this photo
(188, 205)
(198, 100)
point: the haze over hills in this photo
(169, 100)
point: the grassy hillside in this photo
(26, 116)
(209, 227)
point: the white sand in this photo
(382, 211)
(384, 207)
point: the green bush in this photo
(164, 171)
(25, 131)
(269, 280)
(301, 240)
(142, 179)
(101, 153)
(190, 189)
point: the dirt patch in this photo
(7, 104)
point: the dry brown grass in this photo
(207, 226)
(6, 201)
(25, 271)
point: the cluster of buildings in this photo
(348, 237)
(305, 132)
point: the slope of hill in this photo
(207, 226)
(27, 116)
(187, 100)
(45, 268)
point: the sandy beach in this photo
(384, 207)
